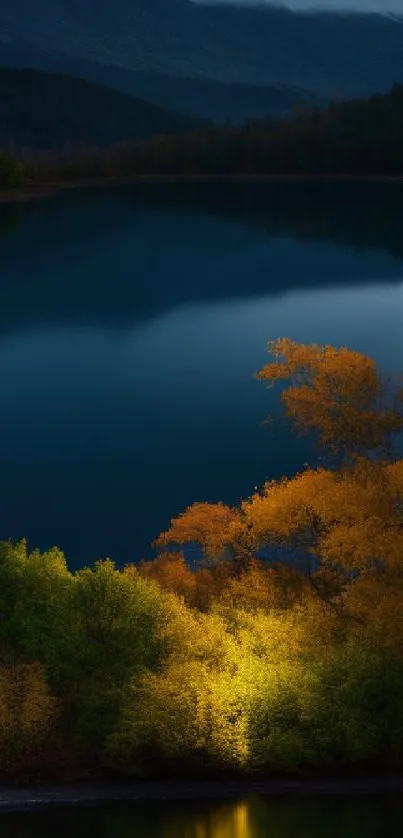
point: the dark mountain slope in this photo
(44, 110)
(361, 137)
(356, 137)
(329, 54)
(200, 98)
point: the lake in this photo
(131, 323)
(286, 817)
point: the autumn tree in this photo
(211, 582)
(241, 663)
(199, 586)
(171, 572)
(337, 393)
(208, 524)
(263, 587)
(345, 521)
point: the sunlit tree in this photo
(112, 638)
(337, 393)
(209, 524)
(171, 572)
(35, 595)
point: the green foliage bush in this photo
(262, 705)
(93, 632)
(144, 681)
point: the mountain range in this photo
(216, 61)
(46, 110)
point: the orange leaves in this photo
(362, 545)
(209, 524)
(377, 601)
(262, 588)
(337, 374)
(298, 359)
(172, 574)
(336, 392)
(350, 519)
(394, 476)
(282, 508)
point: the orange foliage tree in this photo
(347, 520)
(209, 524)
(172, 574)
(338, 393)
(198, 588)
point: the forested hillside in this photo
(46, 110)
(363, 137)
(354, 137)
(202, 58)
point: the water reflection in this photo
(283, 817)
(365, 216)
(289, 817)
(223, 822)
(118, 257)
(131, 323)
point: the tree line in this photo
(239, 665)
(362, 137)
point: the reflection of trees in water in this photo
(303, 817)
(10, 218)
(366, 216)
(228, 821)
(286, 817)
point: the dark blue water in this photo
(323, 817)
(131, 323)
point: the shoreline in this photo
(26, 799)
(47, 189)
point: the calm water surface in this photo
(131, 323)
(250, 818)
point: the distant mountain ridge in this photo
(327, 54)
(200, 98)
(46, 110)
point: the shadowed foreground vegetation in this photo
(239, 664)
(363, 137)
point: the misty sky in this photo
(358, 5)
(395, 6)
